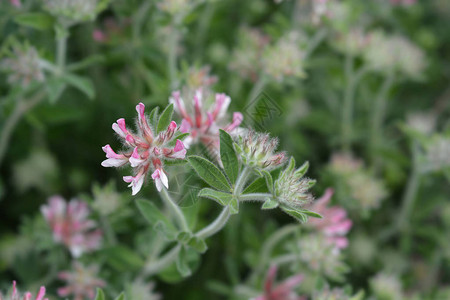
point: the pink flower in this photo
(146, 150)
(16, 3)
(203, 123)
(81, 282)
(99, 36)
(335, 224)
(283, 291)
(71, 226)
(27, 296)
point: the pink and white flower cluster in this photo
(203, 123)
(71, 226)
(334, 225)
(146, 151)
(27, 296)
(282, 291)
(81, 282)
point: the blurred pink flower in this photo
(27, 296)
(16, 3)
(147, 150)
(283, 291)
(71, 226)
(203, 123)
(334, 224)
(81, 282)
(99, 36)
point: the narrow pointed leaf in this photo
(100, 295)
(270, 204)
(121, 297)
(298, 215)
(269, 180)
(257, 186)
(197, 244)
(182, 263)
(165, 118)
(228, 156)
(209, 173)
(302, 170)
(154, 116)
(154, 216)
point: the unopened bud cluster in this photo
(79, 10)
(292, 189)
(257, 150)
(22, 65)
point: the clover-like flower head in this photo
(257, 150)
(81, 282)
(203, 123)
(146, 150)
(15, 295)
(291, 188)
(71, 225)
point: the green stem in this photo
(215, 226)
(315, 41)
(61, 46)
(160, 264)
(378, 115)
(109, 232)
(255, 197)
(410, 192)
(242, 179)
(175, 209)
(269, 245)
(20, 109)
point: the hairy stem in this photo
(241, 181)
(378, 115)
(163, 262)
(255, 197)
(61, 48)
(175, 209)
(20, 109)
(216, 225)
(269, 245)
(410, 192)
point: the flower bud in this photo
(257, 150)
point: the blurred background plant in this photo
(360, 89)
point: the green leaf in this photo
(257, 186)
(40, 21)
(221, 197)
(156, 218)
(300, 172)
(270, 204)
(165, 119)
(55, 87)
(183, 237)
(84, 84)
(198, 244)
(209, 173)
(86, 62)
(100, 295)
(234, 206)
(121, 297)
(269, 180)
(298, 215)
(175, 162)
(182, 263)
(228, 156)
(154, 116)
(310, 213)
(122, 258)
(291, 165)
(163, 229)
